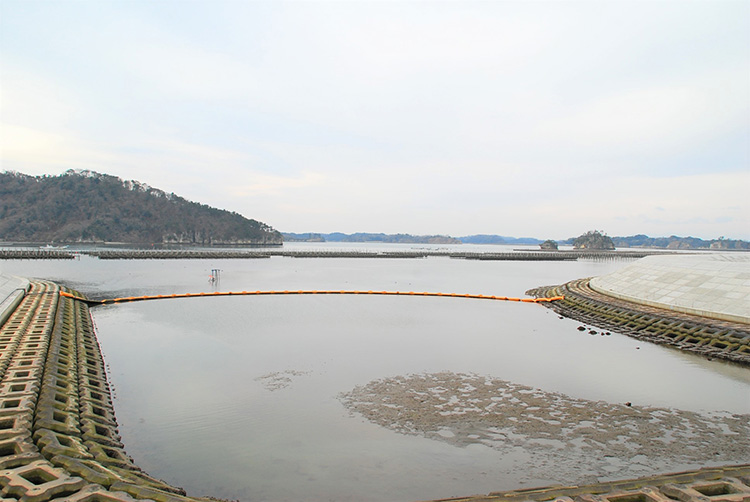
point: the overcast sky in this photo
(543, 119)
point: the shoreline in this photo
(59, 436)
(711, 338)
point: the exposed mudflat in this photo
(554, 435)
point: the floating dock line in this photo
(306, 292)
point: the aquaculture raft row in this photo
(194, 254)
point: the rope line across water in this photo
(306, 292)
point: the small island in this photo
(548, 245)
(594, 240)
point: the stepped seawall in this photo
(696, 303)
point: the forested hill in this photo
(84, 206)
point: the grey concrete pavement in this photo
(715, 285)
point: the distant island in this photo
(593, 239)
(405, 238)
(499, 239)
(88, 207)
(366, 237)
(590, 240)
(674, 242)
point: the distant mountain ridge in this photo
(405, 238)
(370, 237)
(86, 206)
(672, 242)
(499, 239)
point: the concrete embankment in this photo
(698, 303)
(701, 335)
(710, 285)
(58, 434)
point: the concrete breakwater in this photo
(697, 303)
(58, 434)
(36, 254)
(726, 340)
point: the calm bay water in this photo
(237, 397)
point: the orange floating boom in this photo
(305, 292)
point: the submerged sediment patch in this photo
(566, 437)
(278, 380)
